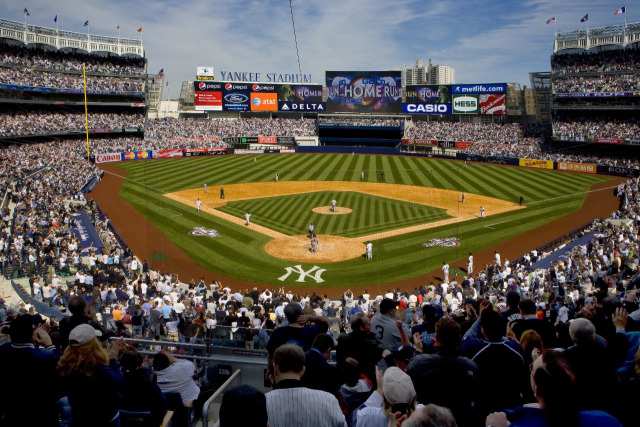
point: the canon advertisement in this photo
(364, 91)
(429, 99)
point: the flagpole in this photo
(88, 38)
(25, 27)
(86, 114)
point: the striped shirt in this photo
(303, 407)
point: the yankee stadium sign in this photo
(249, 76)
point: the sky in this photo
(485, 41)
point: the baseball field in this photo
(414, 215)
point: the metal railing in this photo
(216, 394)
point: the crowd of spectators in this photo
(55, 79)
(70, 61)
(351, 122)
(443, 344)
(19, 122)
(197, 128)
(593, 126)
(608, 60)
(597, 83)
(119, 145)
(507, 133)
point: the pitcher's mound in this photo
(330, 248)
(327, 210)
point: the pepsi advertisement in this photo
(364, 91)
(427, 99)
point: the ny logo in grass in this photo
(298, 269)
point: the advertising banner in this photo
(264, 101)
(248, 151)
(577, 167)
(364, 91)
(609, 140)
(85, 232)
(267, 140)
(465, 104)
(420, 141)
(479, 88)
(204, 151)
(301, 106)
(429, 99)
(204, 73)
(461, 145)
(240, 139)
(300, 98)
(536, 163)
(594, 94)
(136, 155)
(235, 101)
(163, 154)
(492, 104)
(286, 140)
(618, 170)
(108, 157)
(208, 96)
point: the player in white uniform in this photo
(369, 250)
(247, 216)
(445, 272)
(361, 175)
(470, 264)
(277, 177)
(198, 204)
(311, 228)
(206, 189)
(497, 258)
(333, 205)
(481, 211)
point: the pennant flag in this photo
(551, 20)
(140, 29)
(26, 11)
(585, 18)
(161, 72)
(55, 19)
(623, 9)
(86, 23)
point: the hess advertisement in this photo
(430, 99)
(364, 91)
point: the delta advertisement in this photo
(364, 91)
(536, 163)
(300, 98)
(430, 99)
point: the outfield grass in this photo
(238, 252)
(370, 214)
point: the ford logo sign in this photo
(236, 98)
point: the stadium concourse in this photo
(464, 350)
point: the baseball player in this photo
(445, 272)
(497, 258)
(221, 192)
(463, 197)
(206, 189)
(369, 250)
(314, 244)
(382, 175)
(481, 211)
(521, 199)
(277, 177)
(470, 264)
(361, 175)
(198, 204)
(247, 216)
(333, 205)
(311, 228)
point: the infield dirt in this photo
(336, 248)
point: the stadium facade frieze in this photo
(275, 77)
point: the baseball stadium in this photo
(484, 222)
